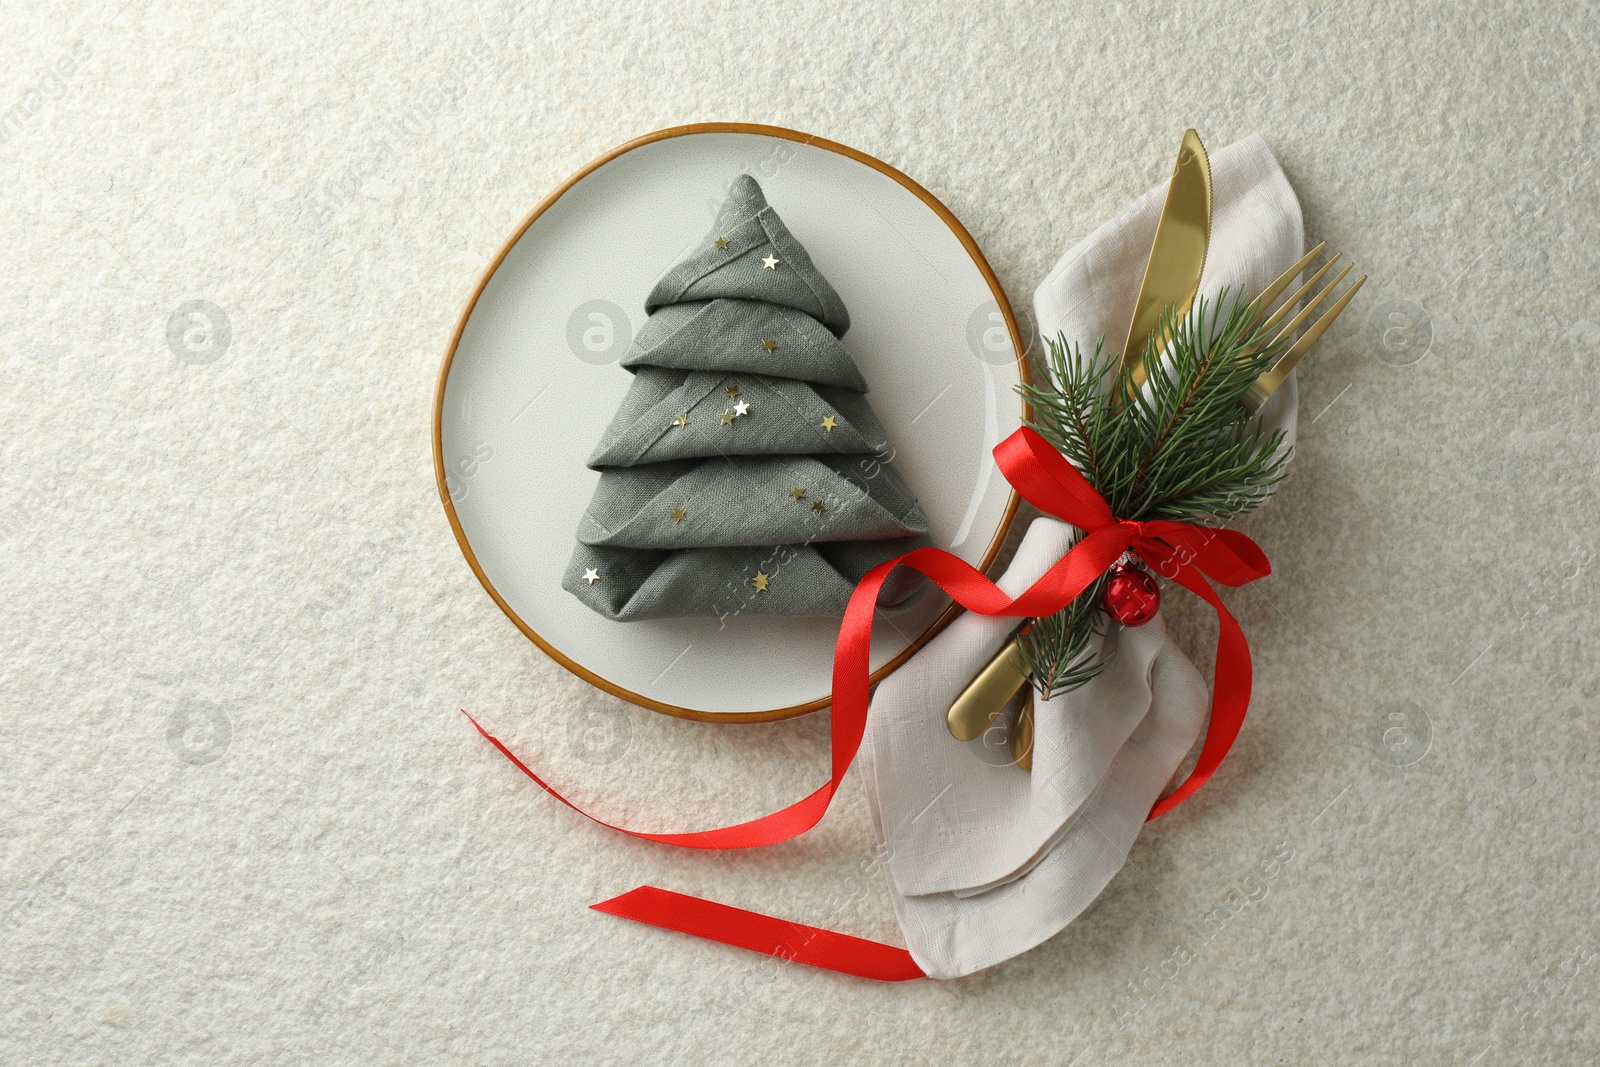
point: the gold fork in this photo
(1263, 387)
(987, 696)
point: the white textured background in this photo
(240, 818)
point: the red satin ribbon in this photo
(1180, 552)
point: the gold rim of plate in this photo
(945, 215)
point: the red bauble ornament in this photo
(1131, 596)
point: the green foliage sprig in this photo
(1181, 447)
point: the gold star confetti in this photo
(770, 262)
(741, 408)
(798, 493)
(591, 576)
(721, 243)
(678, 515)
(728, 417)
(828, 423)
(769, 345)
(818, 506)
(760, 581)
(733, 392)
(681, 420)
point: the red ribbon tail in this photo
(763, 933)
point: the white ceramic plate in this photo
(532, 379)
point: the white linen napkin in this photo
(984, 860)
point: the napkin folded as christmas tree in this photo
(745, 471)
(985, 860)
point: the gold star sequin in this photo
(678, 515)
(733, 392)
(770, 262)
(721, 243)
(681, 420)
(591, 576)
(828, 423)
(818, 506)
(760, 581)
(769, 345)
(798, 493)
(741, 408)
(727, 418)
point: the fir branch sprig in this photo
(1181, 447)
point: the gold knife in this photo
(989, 693)
(1178, 254)
(1171, 276)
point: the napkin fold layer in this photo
(802, 579)
(750, 500)
(985, 860)
(746, 266)
(717, 411)
(731, 335)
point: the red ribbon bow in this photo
(1178, 551)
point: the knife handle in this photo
(1022, 735)
(989, 693)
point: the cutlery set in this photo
(1171, 281)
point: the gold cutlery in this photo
(982, 702)
(1022, 734)
(989, 693)
(1267, 384)
(1177, 255)
(1182, 234)
(1171, 278)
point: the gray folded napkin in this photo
(745, 470)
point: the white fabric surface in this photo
(985, 861)
(340, 871)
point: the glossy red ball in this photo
(1132, 597)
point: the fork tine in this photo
(1263, 387)
(1299, 295)
(1311, 305)
(1270, 293)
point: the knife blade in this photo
(1178, 253)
